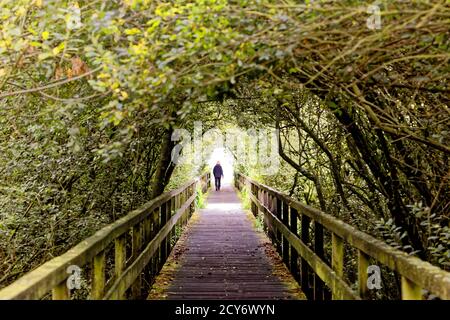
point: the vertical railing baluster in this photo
(410, 290)
(264, 217)
(294, 254)
(253, 190)
(193, 191)
(163, 245)
(180, 223)
(148, 229)
(191, 208)
(318, 250)
(285, 242)
(154, 231)
(269, 205)
(169, 216)
(120, 256)
(184, 197)
(98, 276)
(61, 291)
(135, 251)
(265, 195)
(188, 194)
(305, 221)
(146, 279)
(363, 264)
(337, 261)
(276, 210)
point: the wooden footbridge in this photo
(171, 249)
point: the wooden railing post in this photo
(260, 197)
(168, 215)
(318, 250)
(189, 191)
(294, 254)
(187, 214)
(98, 276)
(410, 290)
(147, 277)
(192, 207)
(253, 190)
(285, 242)
(135, 251)
(264, 197)
(189, 211)
(171, 233)
(267, 204)
(178, 204)
(273, 231)
(180, 201)
(147, 231)
(120, 256)
(363, 264)
(61, 291)
(163, 246)
(337, 260)
(154, 230)
(304, 265)
(276, 209)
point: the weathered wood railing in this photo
(133, 248)
(288, 222)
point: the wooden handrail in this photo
(151, 228)
(281, 213)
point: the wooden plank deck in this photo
(221, 255)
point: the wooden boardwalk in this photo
(221, 255)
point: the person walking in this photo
(218, 174)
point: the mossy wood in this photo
(416, 274)
(150, 227)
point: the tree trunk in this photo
(388, 183)
(165, 165)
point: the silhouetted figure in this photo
(218, 174)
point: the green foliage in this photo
(437, 233)
(245, 198)
(200, 198)
(259, 223)
(178, 230)
(392, 234)
(243, 195)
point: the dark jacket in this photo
(217, 171)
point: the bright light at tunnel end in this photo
(226, 161)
